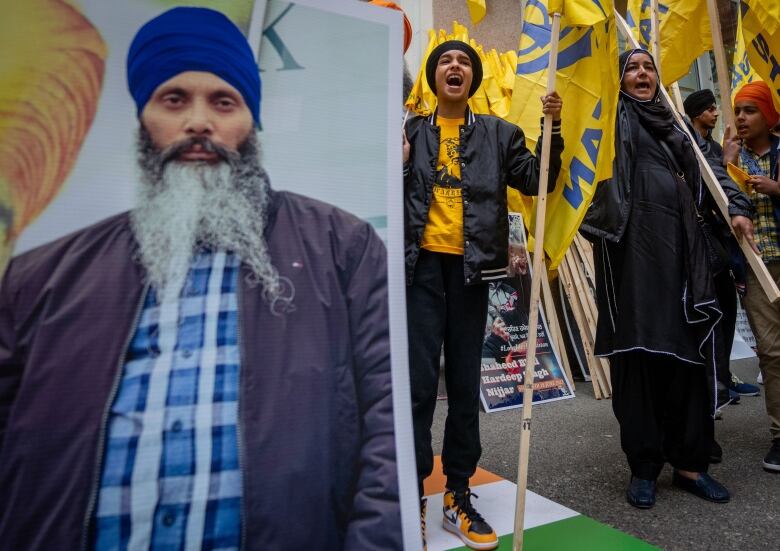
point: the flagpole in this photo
(721, 66)
(655, 36)
(533, 314)
(756, 264)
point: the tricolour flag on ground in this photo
(588, 82)
(684, 30)
(761, 34)
(742, 72)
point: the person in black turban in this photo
(701, 109)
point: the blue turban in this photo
(192, 39)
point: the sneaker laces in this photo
(463, 501)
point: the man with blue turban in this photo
(210, 370)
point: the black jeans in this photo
(441, 308)
(663, 407)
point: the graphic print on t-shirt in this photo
(447, 186)
(444, 230)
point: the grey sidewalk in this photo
(576, 460)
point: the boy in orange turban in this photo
(755, 149)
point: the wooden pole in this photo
(721, 66)
(756, 264)
(677, 96)
(554, 327)
(655, 36)
(585, 333)
(536, 282)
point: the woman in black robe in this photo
(658, 313)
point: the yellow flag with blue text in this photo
(684, 31)
(587, 80)
(761, 33)
(741, 72)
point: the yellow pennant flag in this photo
(491, 98)
(684, 30)
(422, 100)
(762, 44)
(588, 82)
(498, 103)
(509, 63)
(477, 10)
(742, 72)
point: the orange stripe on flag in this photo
(435, 484)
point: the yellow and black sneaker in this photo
(423, 504)
(462, 519)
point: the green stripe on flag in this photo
(578, 533)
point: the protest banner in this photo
(506, 337)
(330, 129)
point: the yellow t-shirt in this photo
(444, 230)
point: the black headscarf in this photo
(658, 120)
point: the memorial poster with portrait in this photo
(506, 337)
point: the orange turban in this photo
(407, 23)
(759, 93)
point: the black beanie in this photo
(433, 61)
(698, 102)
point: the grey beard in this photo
(185, 206)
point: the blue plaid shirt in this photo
(171, 477)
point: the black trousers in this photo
(441, 308)
(727, 299)
(663, 407)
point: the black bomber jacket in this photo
(493, 156)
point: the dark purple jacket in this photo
(316, 440)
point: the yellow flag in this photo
(763, 45)
(742, 72)
(509, 63)
(768, 12)
(459, 32)
(498, 103)
(588, 82)
(477, 10)
(422, 100)
(684, 30)
(578, 13)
